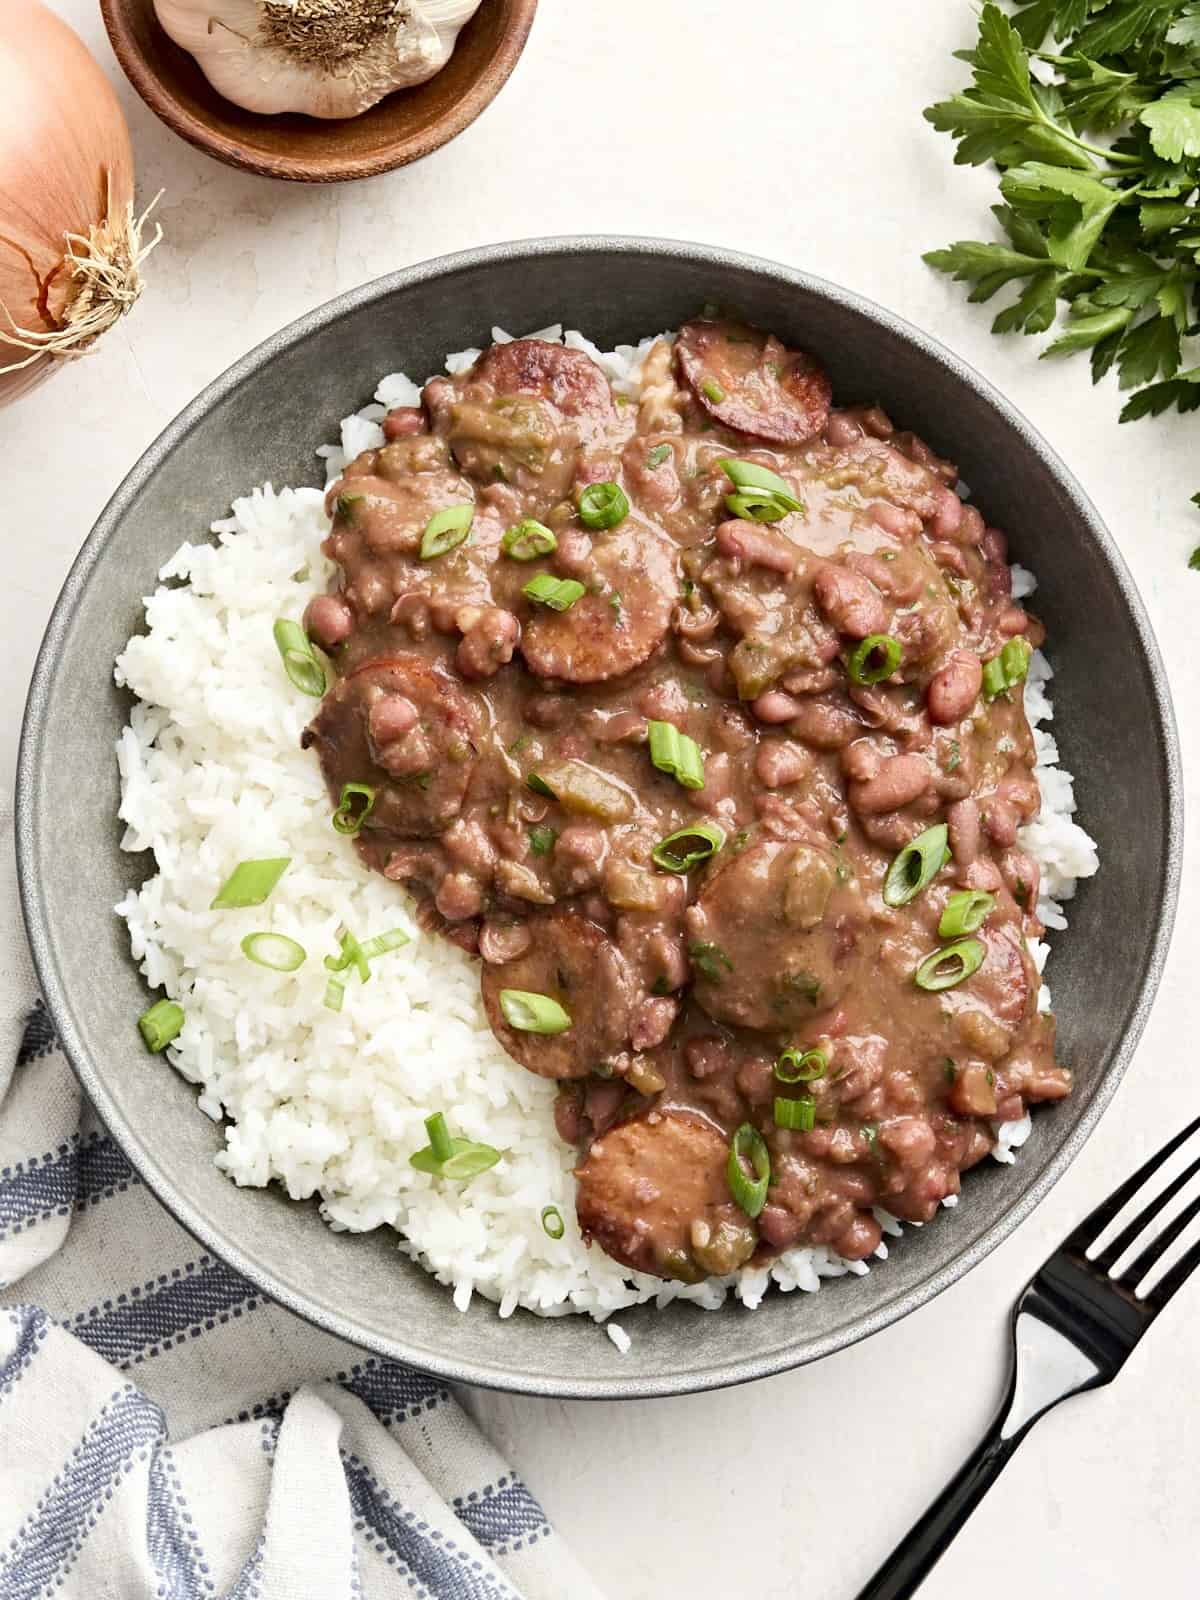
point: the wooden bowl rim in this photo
(198, 133)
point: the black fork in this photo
(1073, 1328)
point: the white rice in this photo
(333, 1104)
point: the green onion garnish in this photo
(347, 818)
(250, 883)
(445, 1157)
(687, 847)
(160, 1024)
(712, 390)
(656, 457)
(345, 503)
(335, 993)
(542, 840)
(381, 943)
(750, 1193)
(552, 1222)
(446, 530)
(560, 594)
(916, 866)
(529, 540)
(1004, 671)
(801, 1066)
(965, 912)
(676, 754)
(800, 1114)
(950, 966)
(539, 786)
(274, 950)
(602, 505)
(533, 1013)
(709, 960)
(761, 495)
(299, 659)
(352, 955)
(874, 658)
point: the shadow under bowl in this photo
(262, 420)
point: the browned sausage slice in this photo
(575, 963)
(568, 379)
(652, 1187)
(405, 728)
(620, 622)
(763, 938)
(750, 382)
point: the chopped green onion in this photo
(560, 594)
(542, 840)
(753, 505)
(1004, 671)
(656, 457)
(335, 993)
(299, 659)
(709, 959)
(687, 847)
(345, 503)
(533, 1013)
(800, 1114)
(950, 966)
(676, 754)
(874, 658)
(712, 390)
(750, 1193)
(916, 866)
(802, 1066)
(274, 950)
(539, 786)
(352, 955)
(160, 1024)
(346, 819)
(965, 911)
(749, 475)
(379, 944)
(603, 505)
(444, 1157)
(529, 540)
(446, 530)
(552, 1222)
(250, 883)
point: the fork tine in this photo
(1158, 1247)
(1175, 1279)
(1129, 1235)
(1092, 1226)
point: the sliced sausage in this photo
(402, 726)
(575, 963)
(655, 1188)
(622, 619)
(570, 380)
(762, 938)
(751, 382)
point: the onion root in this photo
(105, 266)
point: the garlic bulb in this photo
(326, 58)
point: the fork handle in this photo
(911, 1562)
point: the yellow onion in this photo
(70, 244)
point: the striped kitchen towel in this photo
(167, 1432)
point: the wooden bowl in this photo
(402, 128)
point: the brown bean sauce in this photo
(453, 690)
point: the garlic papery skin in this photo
(323, 58)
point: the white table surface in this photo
(792, 130)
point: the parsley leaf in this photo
(1097, 149)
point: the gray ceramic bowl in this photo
(262, 420)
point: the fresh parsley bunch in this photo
(1109, 224)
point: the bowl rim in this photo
(450, 1367)
(161, 99)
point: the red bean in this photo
(899, 781)
(994, 546)
(947, 518)
(774, 706)
(899, 521)
(877, 422)
(758, 547)
(488, 643)
(779, 762)
(390, 718)
(411, 611)
(824, 724)
(503, 941)
(1012, 620)
(328, 620)
(842, 430)
(852, 604)
(653, 1022)
(954, 689)
(1000, 823)
(970, 529)
(962, 820)
(403, 422)
(861, 760)
(458, 897)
